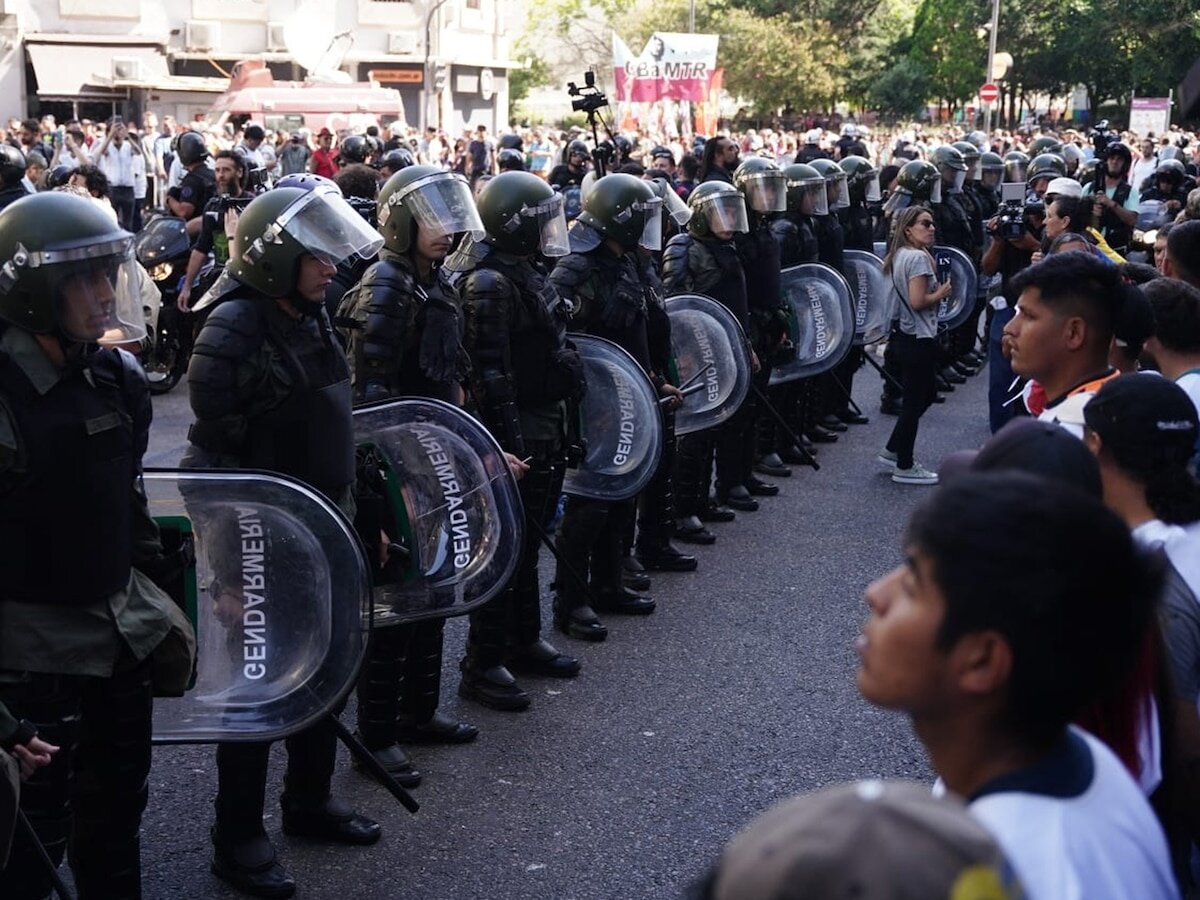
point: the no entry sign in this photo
(989, 93)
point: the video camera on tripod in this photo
(1010, 220)
(590, 99)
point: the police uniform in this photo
(403, 340)
(75, 638)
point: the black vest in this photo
(65, 509)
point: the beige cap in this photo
(871, 840)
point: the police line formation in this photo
(389, 403)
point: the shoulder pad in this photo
(384, 273)
(485, 282)
(233, 330)
(675, 262)
(467, 256)
(782, 227)
(570, 272)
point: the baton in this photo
(545, 539)
(787, 429)
(685, 391)
(359, 751)
(60, 887)
(695, 375)
(887, 376)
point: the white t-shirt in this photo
(1072, 834)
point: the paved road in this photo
(627, 781)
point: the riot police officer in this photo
(954, 228)
(77, 629)
(270, 389)
(704, 260)
(404, 330)
(764, 188)
(12, 170)
(858, 220)
(526, 381)
(601, 278)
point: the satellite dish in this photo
(305, 35)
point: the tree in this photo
(901, 91)
(536, 73)
(949, 43)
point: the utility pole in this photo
(987, 115)
(429, 74)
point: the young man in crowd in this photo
(993, 647)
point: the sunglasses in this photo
(925, 223)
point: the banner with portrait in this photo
(672, 66)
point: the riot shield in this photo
(821, 320)
(280, 597)
(620, 424)
(714, 366)
(881, 249)
(958, 306)
(450, 499)
(872, 294)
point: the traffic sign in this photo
(989, 93)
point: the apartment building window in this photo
(472, 4)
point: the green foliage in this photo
(901, 91)
(534, 75)
(946, 43)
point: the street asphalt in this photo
(627, 781)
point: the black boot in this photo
(438, 730)
(249, 865)
(624, 602)
(579, 622)
(692, 531)
(759, 488)
(738, 498)
(495, 688)
(379, 701)
(772, 464)
(332, 822)
(543, 659)
(665, 558)
(633, 573)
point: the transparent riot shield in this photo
(620, 424)
(958, 306)
(450, 499)
(881, 249)
(872, 295)
(280, 597)
(713, 363)
(821, 320)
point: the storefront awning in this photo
(74, 70)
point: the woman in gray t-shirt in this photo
(911, 268)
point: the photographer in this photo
(218, 224)
(1010, 250)
(1116, 199)
(115, 159)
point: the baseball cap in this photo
(1143, 420)
(1064, 187)
(1039, 448)
(866, 840)
(324, 132)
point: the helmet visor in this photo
(441, 204)
(325, 225)
(674, 206)
(99, 300)
(935, 193)
(838, 192)
(766, 192)
(814, 199)
(974, 169)
(551, 224)
(960, 176)
(871, 190)
(897, 201)
(726, 214)
(652, 229)
(991, 176)
(1015, 170)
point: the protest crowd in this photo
(1042, 634)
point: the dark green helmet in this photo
(862, 178)
(522, 215)
(429, 197)
(1045, 144)
(979, 140)
(947, 156)
(66, 268)
(1087, 171)
(1046, 165)
(716, 207)
(762, 183)
(1016, 166)
(920, 180)
(991, 168)
(806, 194)
(835, 182)
(279, 227)
(624, 209)
(970, 154)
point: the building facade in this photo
(449, 59)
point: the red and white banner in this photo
(672, 66)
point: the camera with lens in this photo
(588, 98)
(1010, 220)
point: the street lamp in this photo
(428, 75)
(987, 115)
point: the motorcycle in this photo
(163, 248)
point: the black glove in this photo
(441, 340)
